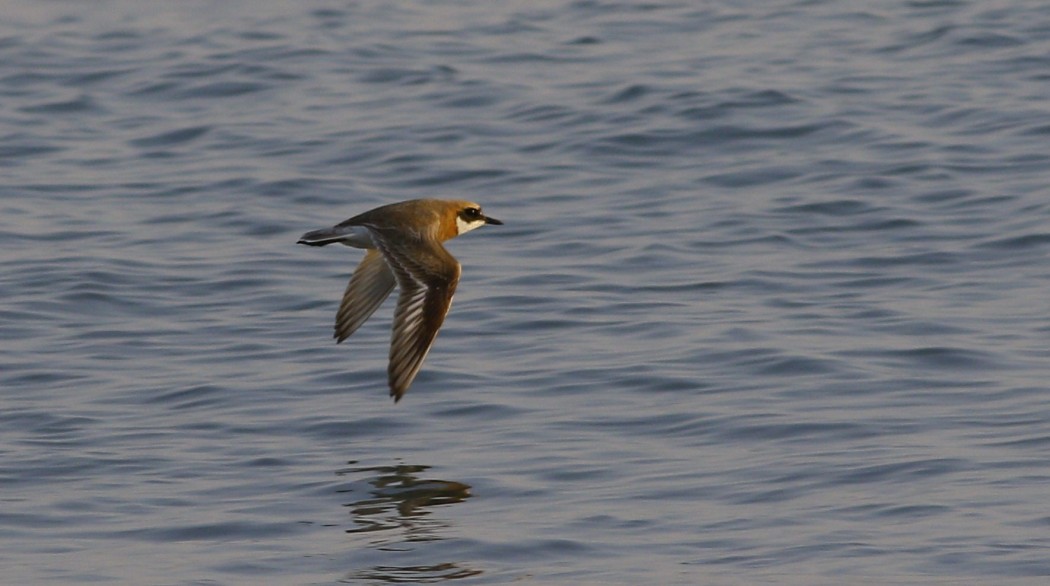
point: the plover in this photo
(403, 243)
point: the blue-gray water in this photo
(770, 304)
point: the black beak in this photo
(489, 220)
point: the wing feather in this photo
(369, 286)
(427, 276)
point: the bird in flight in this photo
(403, 248)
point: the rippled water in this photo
(770, 304)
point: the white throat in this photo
(462, 226)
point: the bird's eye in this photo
(472, 212)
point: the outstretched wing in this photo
(427, 275)
(370, 284)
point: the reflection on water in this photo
(392, 505)
(414, 574)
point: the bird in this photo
(403, 248)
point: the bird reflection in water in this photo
(397, 515)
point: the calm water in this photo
(770, 304)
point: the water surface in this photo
(769, 305)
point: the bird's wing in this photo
(370, 284)
(427, 275)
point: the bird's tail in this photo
(326, 236)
